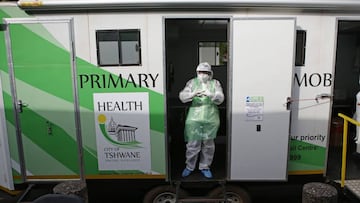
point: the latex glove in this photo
(197, 93)
(208, 94)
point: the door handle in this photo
(21, 105)
(288, 103)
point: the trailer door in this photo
(43, 92)
(262, 65)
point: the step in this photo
(353, 186)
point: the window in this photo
(300, 47)
(118, 47)
(215, 53)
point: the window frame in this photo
(217, 45)
(300, 49)
(118, 33)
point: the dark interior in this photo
(346, 86)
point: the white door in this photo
(6, 180)
(262, 75)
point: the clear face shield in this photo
(203, 76)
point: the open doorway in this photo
(187, 43)
(346, 86)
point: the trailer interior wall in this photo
(346, 63)
(346, 81)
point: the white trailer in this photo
(91, 88)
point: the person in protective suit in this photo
(357, 118)
(202, 121)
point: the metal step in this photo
(354, 187)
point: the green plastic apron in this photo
(202, 121)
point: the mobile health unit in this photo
(89, 89)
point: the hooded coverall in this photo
(202, 122)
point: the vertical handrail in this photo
(344, 150)
(344, 153)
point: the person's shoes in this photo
(207, 173)
(186, 172)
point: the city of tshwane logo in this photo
(121, 135)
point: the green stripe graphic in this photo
(43, 79)
(306, 156)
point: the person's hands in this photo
(208, 94)
(197, 93)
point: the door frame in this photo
(169, 175)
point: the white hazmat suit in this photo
(357, 118)
(202, 122)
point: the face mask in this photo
(203, 77)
